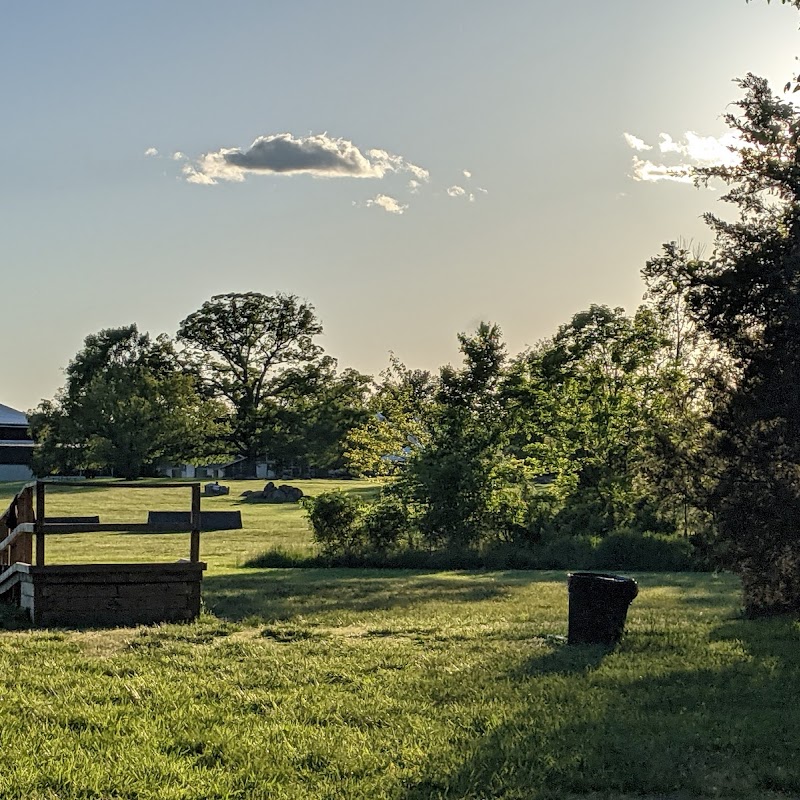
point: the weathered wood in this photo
(22, 548)
(96, 527)
(39, 524)
(194, 545)
(182, 520)
(94, 594)
(123, 484)
(24, 528)
(109, 594)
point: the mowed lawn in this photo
(393, 684)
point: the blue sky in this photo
(530, 98)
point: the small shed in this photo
(16, 446)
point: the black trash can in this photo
(598, 605)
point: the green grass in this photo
(403, 685)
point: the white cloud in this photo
(178, 156)
(650, 172)
(413, 186)
(387, 203)
(636, 143)
(151, 151)
(318, 155)
(466, 173)
(456, 191)
(692, 151)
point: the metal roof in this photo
(10, 416)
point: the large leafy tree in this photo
(257, 353)
(747, 298)
(693, 371)
(451, 480)
(126, 404)
(312, 429)
(581, 406)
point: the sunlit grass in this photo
(264, 526)
(399, 684)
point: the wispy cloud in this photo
(460, 191)
(318, 155)
(692, 151)
(387, 203)
(636, 143)
(648, 171)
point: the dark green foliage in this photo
(337, 522)
(284, 398)
(450, 480)
(629, 550)
(126, 404)
(748, 300)
(386, 524)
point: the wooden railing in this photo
(17, 525)
(24, 520)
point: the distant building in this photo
(16, 446)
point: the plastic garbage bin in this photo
(598, 605)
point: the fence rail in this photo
(24, 521)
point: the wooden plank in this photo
(39, 524)
(25, 527)
(123, 484)
(194, 545)
(97, 527)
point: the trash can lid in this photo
(582, 582)
(602, 575)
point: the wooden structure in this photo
(94, 594)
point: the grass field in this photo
(405, 685)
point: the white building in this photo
(16, 446)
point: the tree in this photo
(396, 423)
(313, 428)
(693, 368)
(747, 298)
(582, 406)
(450, 480)
(126, 404)
(257, 353)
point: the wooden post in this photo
(194, 547)
(22, 549)
(39, 524)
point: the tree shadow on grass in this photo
(589, 724)
(283, 595)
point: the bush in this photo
(337, 521)
(566, 552)
(652, 552)
(386, 523)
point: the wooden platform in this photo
(92, 595)
(89, 595)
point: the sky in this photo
(411, 169)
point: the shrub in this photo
(566, 552)
(626, 549)
(386, 523)
(337, 521)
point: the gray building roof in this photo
(11, 417)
